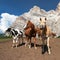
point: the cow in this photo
(16, 35)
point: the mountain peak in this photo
(35, 9)
(59, 4)
(58, 7)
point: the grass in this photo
(58, 37)
(4, 38)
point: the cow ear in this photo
(9, 28)
(40, 19)
(45, 19)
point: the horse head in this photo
(42, 22)
(30, 27)
(29, 24)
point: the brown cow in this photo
(29, 33)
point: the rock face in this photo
(53, 18)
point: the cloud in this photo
(6, 20)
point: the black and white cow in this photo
(16, 35)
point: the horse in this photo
(16, 35)
(30, 32)
(45, 33)
(39, 33)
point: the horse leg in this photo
(26, 42)
(48, 45)
(35, 42)
(43, 43)
(29, 43)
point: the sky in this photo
(18, 7)
(11, 9)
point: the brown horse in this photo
(29, 33)
(45, 33)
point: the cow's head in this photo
(8, 32)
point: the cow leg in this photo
(22, 39)
(48, 45)
(17, 42)
(35, 42)
(13, 43)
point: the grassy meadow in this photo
(4, 38)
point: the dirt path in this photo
(24, 53)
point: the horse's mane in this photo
(30, 29)
(30, 25)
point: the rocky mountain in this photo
(53, 18)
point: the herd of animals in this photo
(30, 31)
